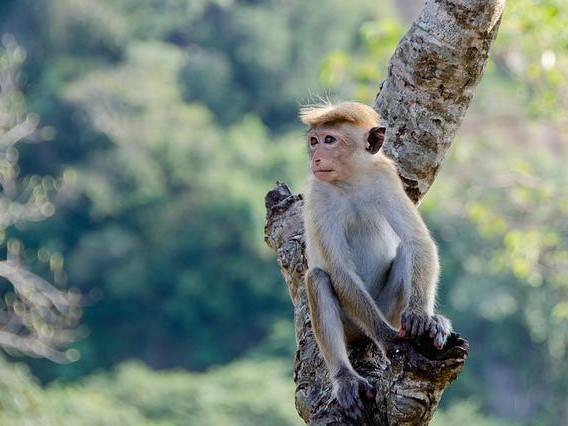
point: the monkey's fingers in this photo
(419, 326)
(414, 324)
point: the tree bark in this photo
(431, 79)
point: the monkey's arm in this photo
(353, 297)
(417, 265)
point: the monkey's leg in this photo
(325, 313)
(408, 303)
(396, 300)
(393, 300)
(394, 296)
(362, 309)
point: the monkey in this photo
(373, 266)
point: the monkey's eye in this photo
(329, 139)
(313, 141)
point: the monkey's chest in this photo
(373, 244)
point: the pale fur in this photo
(370, 255)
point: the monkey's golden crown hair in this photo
(350, 112)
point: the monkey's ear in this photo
(375, 139)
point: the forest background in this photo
(161, 124)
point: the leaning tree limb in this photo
(431, 79)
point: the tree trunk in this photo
(431, 80)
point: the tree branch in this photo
(431, 80)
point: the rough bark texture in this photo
(431, 80)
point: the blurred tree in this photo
(531, 64)
(506, 273)
(241, 393)
(173, 219)
(24, 402)
(36, 318)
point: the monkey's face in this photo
(333, 152)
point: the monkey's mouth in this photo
(324, 171)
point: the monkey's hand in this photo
(351, 390)
(436, 326)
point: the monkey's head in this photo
(342, 139)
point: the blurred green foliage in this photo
(245, 392)
(173, 118)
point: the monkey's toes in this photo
(350, 402)
(351, 393)
(367, 391)
(440, 329)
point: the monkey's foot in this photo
(351, 391)
(436, 326)
(440, 330)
